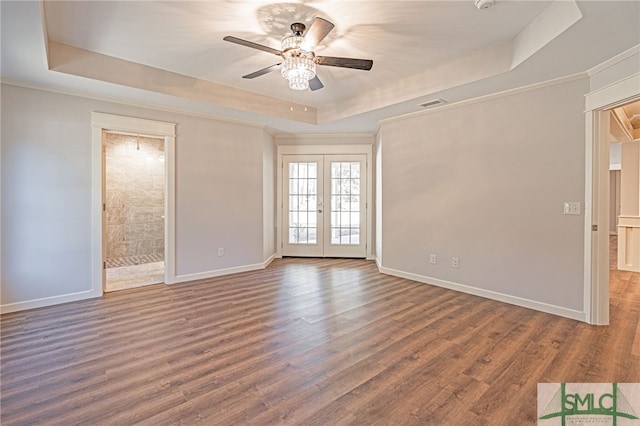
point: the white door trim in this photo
(100, 123)
(323, 150)
(596, 264)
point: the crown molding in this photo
(323, 135)
(490, 96)
(615, 60)
(144, 105)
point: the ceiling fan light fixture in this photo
(298, 70)
(298, 66)
(299, 60)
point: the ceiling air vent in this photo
(433, 103)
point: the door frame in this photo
(324, 150)
(102, 123)
(596, 265)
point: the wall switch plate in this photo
(572, 207)
(455, 262)
(433, 259)
(221, 252)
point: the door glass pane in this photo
(345, 203)
(293, 203)
(312, 169)
(303, 218)
(303, 206)
(302, 186)
(355, 219)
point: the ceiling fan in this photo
(299, 60)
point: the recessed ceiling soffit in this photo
(504, 57)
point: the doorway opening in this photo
(598, 268)
(624, 198)
(134, 194)
(103, 124)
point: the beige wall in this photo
(630, 179)
(614, 200)
(485, 182)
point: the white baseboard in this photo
(488, 294)
(221, 272)
(47, 301)
(90, 294)
(514, 300)
(269, 260)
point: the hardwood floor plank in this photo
(305, 341)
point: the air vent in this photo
(433, 103)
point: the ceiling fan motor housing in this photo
(298, 28)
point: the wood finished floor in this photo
(306, 341)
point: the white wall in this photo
(615, 156)
(218, 195)
(268, 196)
(630, 179)
(378, 198)
(46, 193)
(485, 182)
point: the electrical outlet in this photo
(433, 259)
(221, 252)
(455, 262)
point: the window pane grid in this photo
(345, 203)
(303, 203)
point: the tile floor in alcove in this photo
(133, 276)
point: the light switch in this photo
(572, 207)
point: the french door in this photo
(324, 205)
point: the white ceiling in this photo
(171, 54)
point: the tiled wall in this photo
(134, 198)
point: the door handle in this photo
(319, 210)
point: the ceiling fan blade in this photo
(315, 34)
(263, 71)
(332, 61)
(315, 84)
(253, 45)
